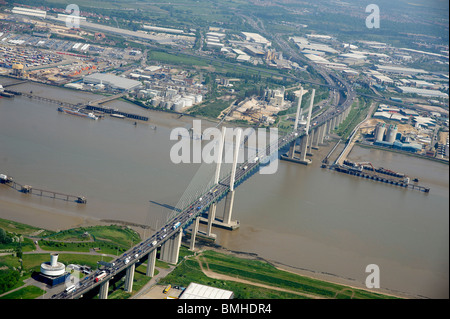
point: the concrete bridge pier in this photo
(151, 263)
(103, 294)
(321, 134)
(311, 140)
(211, 219)
(341, 118)
(171, 248)
(229, 201)
(329, 124)
(333, 123)
(129, 277)
(317, 139)
(194, 232)
(292, 149)
(303, 151)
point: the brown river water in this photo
(310, 220)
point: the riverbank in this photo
(434, 159)
(302, 216)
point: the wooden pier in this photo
(28, 189)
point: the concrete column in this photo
(303, 148)
(229, 201)
(328, 127)
(151, 263)
(311, 140)
(165, 251)
(175, 252)
(321, 133)
(211, 218)
(194, 232)
(292, 149)
(299, 104)
(317, 137)
(333, 123)
(103, 294)
(129, 278)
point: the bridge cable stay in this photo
(204, 178)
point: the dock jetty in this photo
(28, 189)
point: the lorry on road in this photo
(100, 276)
(176, 225)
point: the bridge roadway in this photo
(185, 217)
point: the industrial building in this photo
(407, 147)
(255, 37)
(112, 81)
(30, 12)
(197, 291)
(399, 70)
(423, 92)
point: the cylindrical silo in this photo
(379, 132)
(391, 134)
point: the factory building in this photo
(255, 37)
(399, 70)
(112, 81)
(423, 92)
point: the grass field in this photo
(28, 292)
(259, 272)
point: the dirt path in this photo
(214, 275)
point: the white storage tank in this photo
(187, 102)
(391, 134)
(179, 105)
(379, 132)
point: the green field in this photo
(259, 272)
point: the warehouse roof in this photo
(112, 80)
(197, 291)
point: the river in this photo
(318, 222)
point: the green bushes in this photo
(8, 278)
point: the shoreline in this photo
(327, 277)
(280, 266)
(80, 220)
